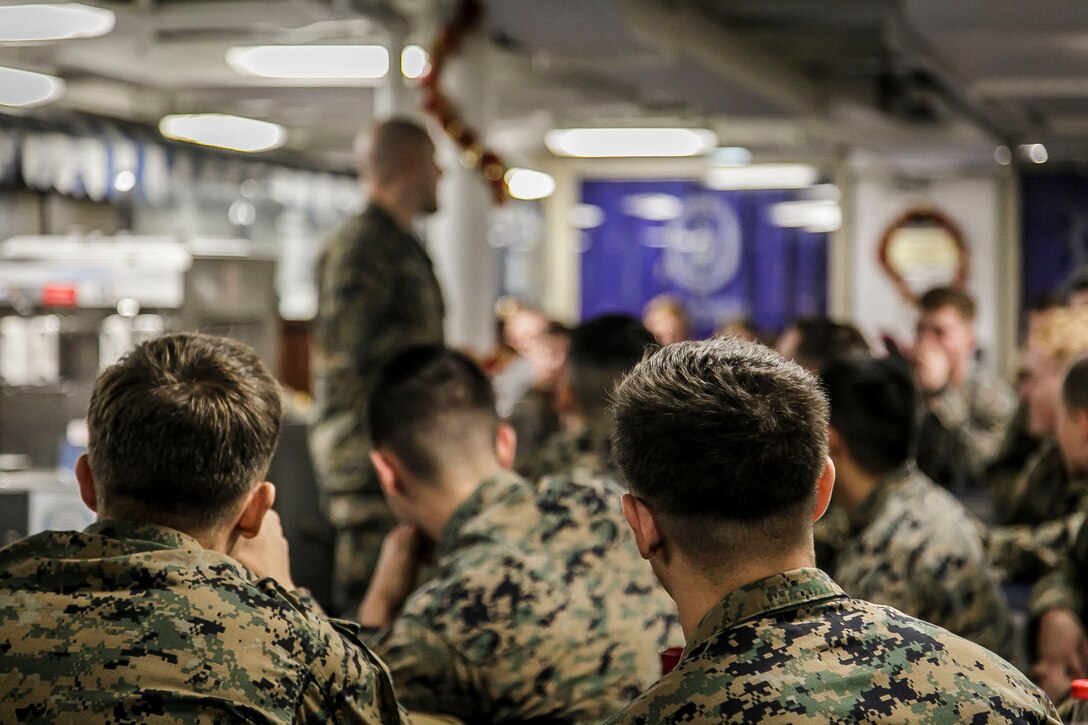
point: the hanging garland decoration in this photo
(474, 154)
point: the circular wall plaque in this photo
(922, 249)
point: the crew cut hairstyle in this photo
(1075, 386)
(429, 403)
(601, 351)
(725, 440)
(874, 407)
(938, 297)
(387, 145)
(181, 429)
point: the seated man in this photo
(1059, 605)
(724, 446)
(967, 409)
(601, 351)
(144, 616)
(1045, 490)
(539, 609)
(911, 544)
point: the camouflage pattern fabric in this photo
(1025, 553)
(793, 648)
(589, 450)
(140, 624)
(1066, 585)
(377, 293)
(914, 547)
(964, 429)
(541, 610)
(1042, 492)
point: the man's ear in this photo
(824, 487)
(835, 443)
(258, 501)
(85, 479)
(506, 445)
(389, 473)
(641, 520)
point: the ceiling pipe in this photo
(681, 31)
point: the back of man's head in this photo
(726, 442)
(819, 340)
(601, 351)
(432, 407)
(874, 409)
(180, 430)
(940, 297)
(1075, 386)
(384, 150)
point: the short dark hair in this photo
(1075, 386)
(429, 403)
(390, 141)
(728, 439)
(180, 429)
(601, 351)
(874, 407)
(821, 340)
(954, 297)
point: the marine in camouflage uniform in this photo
(914, 547)
(541, 609)
(964, 429)
(793, 648)
(589, 450)
(1043, 491)
(127, 623)
(377, 294)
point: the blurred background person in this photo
(667, 319)
(377, 292)
(967, 409)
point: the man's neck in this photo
(455, 486)
(852, 484)
(700, 593)
(394, 204)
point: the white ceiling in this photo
(781, 76)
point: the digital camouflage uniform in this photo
(914, 547)
(793, 648)
(377, 293)
(135, 624)
(541, 610)
(964, 429)
(589, 451)
(1042, 492)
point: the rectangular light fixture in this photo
(23, 88)
(334, 64)
(630, 142)
(224, 131)
(33, 22)
(812, 215)
(761, 176)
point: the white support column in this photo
(465, 263)
(394, 97)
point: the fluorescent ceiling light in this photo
(585, 216)
(653, 207)
(413, 61)
(815, 216)
(311, 62)
(224, 131)
(23, 88)
(528, 184)
(59, 21)
(762, 176)
(1035, 152)
(731, 156)
(630, 142)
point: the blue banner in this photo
(716, 251)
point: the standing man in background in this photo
(377, 293)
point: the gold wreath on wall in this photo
(924, 248)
